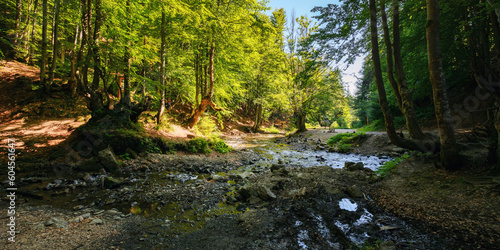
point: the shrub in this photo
(206, 126)
(344, 141)
(198, 145)
(272, 130)
(220, 146)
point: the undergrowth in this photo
(343, 142)
(202, 145)
(390, 165)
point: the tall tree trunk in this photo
(390, 65)
(258, 118)
(44, 48)
(384, 106)
(406, 96)
(207, 92)
(144, 68)
(301, 120)
(18, 22)
(31, 49)
(161, 109)
(126, 98)
(450, 158)
(55, 43)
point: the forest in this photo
(172, 93)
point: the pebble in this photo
(96, 222)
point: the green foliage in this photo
(220, 146)
(377, 125)
(390, 165)
(272, 130)
(205, 127)
(125, 156)
(164, 125)
(198, 145)
(345, 141)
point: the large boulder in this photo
(108, 160)
(351, 166)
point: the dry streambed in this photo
(257, 198)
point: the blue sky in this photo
(303, 7)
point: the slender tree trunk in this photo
(162, 69)
(384, 106)
(207, 93)
(144, 68)
(44, 48)
(55, 43)
(31, 49)
(18, 22)
(390, 65)
(450, 158)
(126, 98)
(406, 96)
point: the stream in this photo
(193, 197)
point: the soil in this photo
(225, 201)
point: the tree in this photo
(389, 122)
(449, 152)
(44, 48)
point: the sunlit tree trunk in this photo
(18, 22)
(55, 43)
(31, 49)
(450, 158)
(126, 98)
(161, 109)
(44, 48)
(207, 91)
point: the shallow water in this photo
(272, 153)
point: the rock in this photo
(79, 207)
(96, 222)
(295, 193)
(85, 215)
(265, 194)
(386, 228)
(351, 166)
(398, 150)
(388, 245)
(112, 212)
(131, 153)
(246, 192)
(245, 175)
(89, 165)
(217, 177)
(87, 178)
(110, 182)
(355, 192)
(77, 219)
(57, 223)
(279, 169)
(108, 160)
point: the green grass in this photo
(375, 126)
(390, 165)
(344, 141)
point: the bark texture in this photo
(449, 154)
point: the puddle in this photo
(348, 205)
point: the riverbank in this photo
(244, 200)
